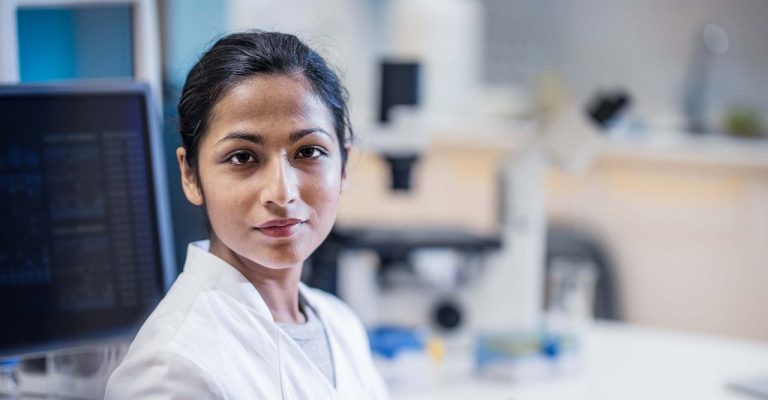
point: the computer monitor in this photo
(85, 238)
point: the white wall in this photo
(340, 30)
(355, 34)
(642, 45)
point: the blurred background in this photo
(683, 214)
(517, 164)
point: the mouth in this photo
(283, 227)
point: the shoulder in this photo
(161, 374)
(197, 352)
(197, 321)
(170, 315)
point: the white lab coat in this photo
(213, 337)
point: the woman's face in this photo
(270, 171)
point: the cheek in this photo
(322, 194)
(224, 200)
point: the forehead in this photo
(269, 104)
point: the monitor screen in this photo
(82, 252)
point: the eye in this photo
(310, 152)
(241, 158)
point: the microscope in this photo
(373, 266)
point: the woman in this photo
(265, 141)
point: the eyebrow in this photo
(296, 136)
(256, 138)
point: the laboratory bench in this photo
(615, 361)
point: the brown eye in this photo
(241, 158)
(310, 152)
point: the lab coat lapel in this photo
(224, 277)
(292, 360)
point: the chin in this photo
(281, 259)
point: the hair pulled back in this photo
(239, 56)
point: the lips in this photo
(283, 227)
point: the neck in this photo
(278, 287)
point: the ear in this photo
(344, 180)
(189, 179)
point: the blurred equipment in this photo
(606, 108)
(89, 254)
(714, 40)
(399, 86)
(579, 276)
(448, 314)
(402, 146)
(375, 262)
(521, 356)
(407, 358)
(570, 132)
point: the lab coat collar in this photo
(220, 275)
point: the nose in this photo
(280, 183)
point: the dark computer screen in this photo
(80, 252)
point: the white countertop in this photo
(618, 361)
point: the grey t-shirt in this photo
(312, 338)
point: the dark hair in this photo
(239, 56)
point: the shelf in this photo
(710, 149)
